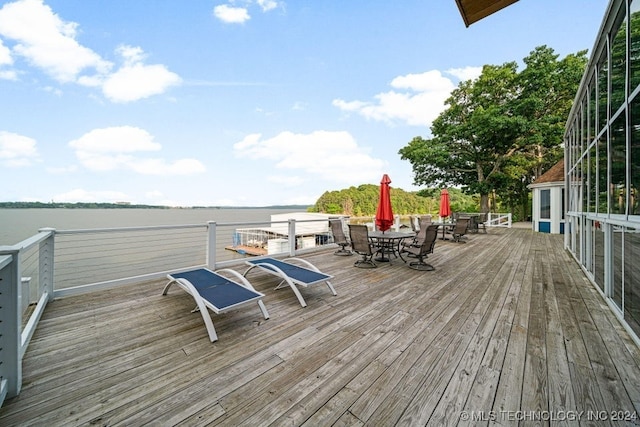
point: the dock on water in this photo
(247, 250)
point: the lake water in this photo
(19, 224)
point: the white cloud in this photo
(115, 140)
(5, 55)
(267, 5)
(467, 73)
(134, 80)
(131, 55)
(416, 101)
(17, 150)
(131, 83)
(5, 60)
(231, 15)
(8, 75)
(115, 148)
(424, 82)
(47, 42)
(354, 106)
(330, 156)
(239, 15)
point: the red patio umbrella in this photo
(445, 207)
(384, 214)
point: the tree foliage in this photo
(502, 130)
(363, 201)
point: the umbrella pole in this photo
(444, 227)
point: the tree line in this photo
(78, 205)
(363, 201)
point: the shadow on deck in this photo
(507, 322)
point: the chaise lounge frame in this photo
(216, 292)
(292, 274)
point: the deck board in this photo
(507, 322)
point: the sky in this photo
(241, 102)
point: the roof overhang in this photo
(475, 10)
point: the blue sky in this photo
(241, 103)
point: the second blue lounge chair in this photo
(292, 274)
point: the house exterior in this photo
(602, 154)
(548, 201)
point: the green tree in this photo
(472, 137)
(547, 87)
(363, 201)
(502, 130)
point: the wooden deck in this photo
(506, 323)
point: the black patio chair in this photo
(460, 229)
(423, 250)
(339, 238)
(427, 219)
(362, 245)
(421, 233)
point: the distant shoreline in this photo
(81, 205)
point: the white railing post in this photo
(292, 237)
(46, 264)
(211, 245)
(10, 323)
(45, 286)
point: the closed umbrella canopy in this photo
(384, 214)
(445, 207)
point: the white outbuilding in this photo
(548, 200)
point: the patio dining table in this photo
(389, 242)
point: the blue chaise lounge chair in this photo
(292, 274)
(214, 291)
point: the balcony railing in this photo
(499, 220)
(57, 263)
